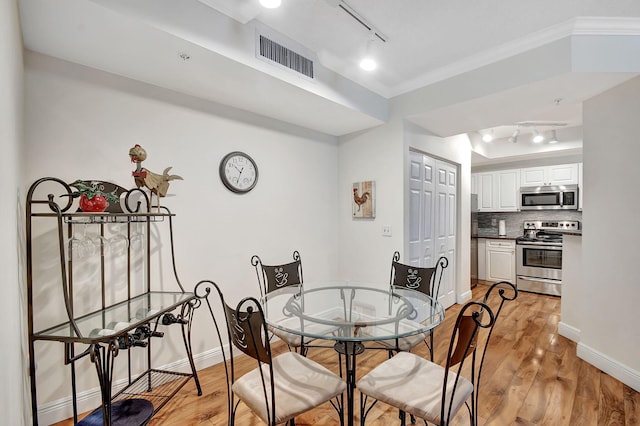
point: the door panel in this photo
(416, 208)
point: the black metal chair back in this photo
(474, 316)
(272, 277)
(246, 330)
(425, 280)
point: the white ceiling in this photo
(428, 42)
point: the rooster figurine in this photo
(360, 200)
(157, 184)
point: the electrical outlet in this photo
(494, 221)
(386, 230)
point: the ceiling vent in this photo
(279, 54)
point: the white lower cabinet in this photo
(500, 260)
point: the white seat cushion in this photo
(300, 384)
(406, 343)
(292, 339)
(409, 342)
(414, 385)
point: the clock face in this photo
(238, 171)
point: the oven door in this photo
(539, 261)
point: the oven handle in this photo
(539, 246)
(542, 280)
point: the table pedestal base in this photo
(349, 350)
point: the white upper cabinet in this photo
(507, 190)
(497, 191)
(485, 191)
(565, 174)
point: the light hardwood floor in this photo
(531, 377)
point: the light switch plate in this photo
(386, 230)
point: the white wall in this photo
(382, 155)
(14, 397)
(611, 288)
(81, 123)
(377, 154)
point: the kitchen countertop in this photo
(495, 236)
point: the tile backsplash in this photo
(488, 222)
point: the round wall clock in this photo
(238, 171)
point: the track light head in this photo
(514, 137)
(537, 137)
(488, 136)
(270, 4)
(554, 137)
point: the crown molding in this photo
(574, 27)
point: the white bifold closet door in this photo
(432, 218)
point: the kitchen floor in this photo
(531, 377)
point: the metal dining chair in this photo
(278, 388)
(425, 280)
(429, 391)
(273, 277)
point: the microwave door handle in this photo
(561, 199)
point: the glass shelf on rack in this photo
(116, 319)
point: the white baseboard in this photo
(569, 332)
(621, 372)
(464, 297)
(61, 409)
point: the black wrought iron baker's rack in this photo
(139, 312)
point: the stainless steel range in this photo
(539, 256)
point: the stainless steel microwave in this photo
(560, 197)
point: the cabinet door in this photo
(474, 183)
(565, 174)
(533, 176)
(485, 192)
(507, 190)
(501, 264)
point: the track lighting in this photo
(554, 137)
(514, 137)
(537, 137)
(368, 63)
(270, 4)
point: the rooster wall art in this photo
(363, 199)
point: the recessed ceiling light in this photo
(270, 4)
(488, 136)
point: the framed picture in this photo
(364, 199)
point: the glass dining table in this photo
(350, 315)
